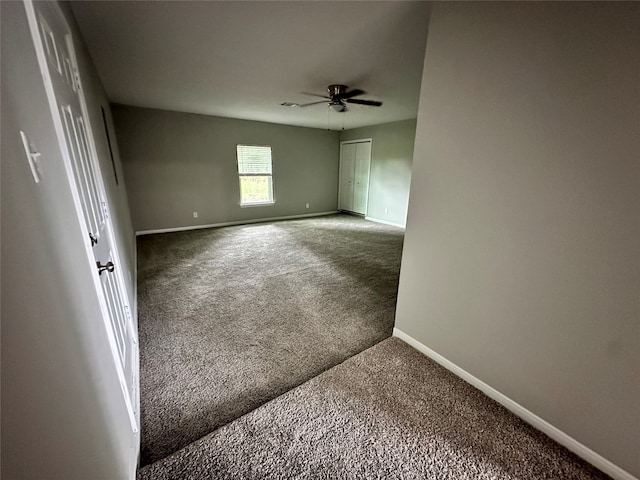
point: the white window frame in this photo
(241, 175)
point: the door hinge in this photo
(134, 336)
(105, 210)
(76, 78)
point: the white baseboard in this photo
(377, 220)
(559, 436)
(227, 224)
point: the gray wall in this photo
(177, 163)
(521, 260)
(62, 411)
(391, 158)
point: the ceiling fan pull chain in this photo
(328, 110)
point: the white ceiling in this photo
(242, 59)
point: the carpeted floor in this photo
(389, 412)
(230, 318)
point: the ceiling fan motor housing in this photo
(336, 90)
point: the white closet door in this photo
(355, 162)
(361, 180)
(347, 173)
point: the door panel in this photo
(361, 184)
(347, 170)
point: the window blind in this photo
(254, 160)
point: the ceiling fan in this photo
(339, 96)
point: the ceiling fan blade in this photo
(316, 95)
(371, 103)
(312, 103)
(352, 93)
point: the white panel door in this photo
(347, 174)
(361, 179)
(58, 66)
(355, 161)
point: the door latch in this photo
(109, 267)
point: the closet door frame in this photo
(341, 173)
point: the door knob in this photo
(109, 267)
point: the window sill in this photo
(261, 204)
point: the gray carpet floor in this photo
(389, 412)
(230, 318)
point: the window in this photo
(255, 173)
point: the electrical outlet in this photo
(306, 206)
(386, 210)
(195, 214)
